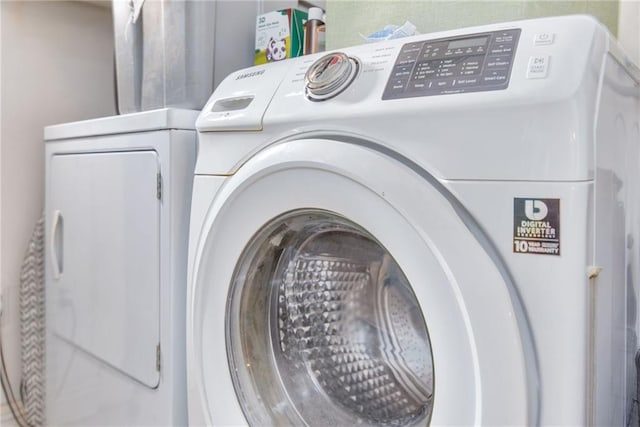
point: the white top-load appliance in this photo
(117, 208)
(442, 229)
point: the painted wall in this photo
(56, 66)
(347, 19)
(629, 28)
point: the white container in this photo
(173, 53)
(314, 32)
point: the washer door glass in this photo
(323, 328)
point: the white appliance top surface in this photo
(522, 96)
(167, 118)
(536, 61)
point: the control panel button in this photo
(502, 49)
(401, 72)
(506, 37)
(498, 62)
(543, 39)
(471, 81)
(495, 77)
(538, 67)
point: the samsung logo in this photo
(251, 74)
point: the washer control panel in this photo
(471, 63)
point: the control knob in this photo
(330, 75)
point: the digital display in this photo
(459, 44)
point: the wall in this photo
(629, 28)
(347, 19)
(56, 66)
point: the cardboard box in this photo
(279, 35)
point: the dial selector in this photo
(330, 75)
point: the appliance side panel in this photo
(617, 234)
(176, 182)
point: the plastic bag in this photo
(391, 32)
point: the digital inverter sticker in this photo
(536, 226)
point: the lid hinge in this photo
(159, 186)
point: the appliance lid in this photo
(166, 118)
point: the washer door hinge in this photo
(159, 186)
(158, 357)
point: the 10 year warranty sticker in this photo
(536, 226)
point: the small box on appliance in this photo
(279, 35)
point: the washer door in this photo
(337, 284)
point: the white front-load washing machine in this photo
(440, 229)
(117, 209)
